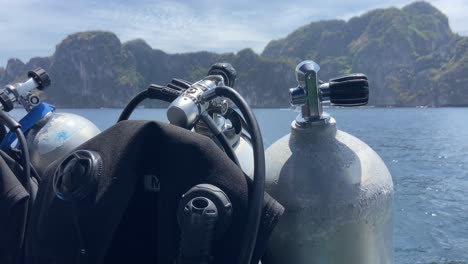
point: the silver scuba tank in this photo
(244, 152)
(56, 135)
(337, 191)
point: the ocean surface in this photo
(426, 150)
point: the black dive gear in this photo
(128, 211)
(192, 103)
(16, 201)
(20, 170)
(13, 210)
(75, 177)
(130, 219)
(15, 127)
(17, 188)
(75, 180)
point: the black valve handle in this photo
(226, 70)
(163, 93)
(179, 84)
(349, 90)
(169, 92)
(41, 77)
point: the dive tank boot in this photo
(337, 192)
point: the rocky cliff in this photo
(410, 56)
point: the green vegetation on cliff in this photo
(410, 56)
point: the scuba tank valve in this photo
(346, 90)
(38, 79)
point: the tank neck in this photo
(323, 128)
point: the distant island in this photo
(411, 56)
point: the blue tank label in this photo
(61, 136)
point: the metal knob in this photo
(297, 96)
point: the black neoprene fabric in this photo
(122, 222)
(13, 209)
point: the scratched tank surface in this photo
(55, 136)
(338, 197)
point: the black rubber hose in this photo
(25, 159)
(140, 97)
(11, 160)
(232, 113)
(130, 107)
(26, 179)
(221, 137)
(166, 94)
(15, 127)
(256, 202)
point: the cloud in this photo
(33, 28)
(456, 11)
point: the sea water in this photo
(426, 151)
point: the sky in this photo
(33, 28)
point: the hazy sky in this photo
(33, 28)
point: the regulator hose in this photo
(164, 93)
(130, 107)
(169, 94)
(256, 202)
(14, 126)
(25, 159)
